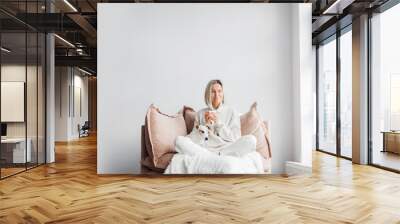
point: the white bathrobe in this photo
(227, 126)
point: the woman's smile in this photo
(217, 94)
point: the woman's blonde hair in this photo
(207, 93)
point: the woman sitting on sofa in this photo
(224, 137)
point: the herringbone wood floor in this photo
(69, 191)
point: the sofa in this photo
(153, 141)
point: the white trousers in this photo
(244, 145)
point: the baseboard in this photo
(296, 168)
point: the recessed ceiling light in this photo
(5, 50)
(65, 41)
(84, 71)
(70, 5)
(337, 7)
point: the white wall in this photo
(80, 115)
(166, 53)
(314, 74)
(62, 80)
(303, 80)
(66, 121)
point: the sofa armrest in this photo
(143, 150)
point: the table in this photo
(13, 150)
(391, 141)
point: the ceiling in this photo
(76, 22)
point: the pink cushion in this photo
(162, 131)
(252, 124)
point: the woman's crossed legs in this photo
(244, 145)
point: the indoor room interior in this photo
(109, 109)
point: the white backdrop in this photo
(166, 53)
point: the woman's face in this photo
(217, 94)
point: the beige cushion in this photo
(162, 131)
(252, 124)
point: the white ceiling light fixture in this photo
(84, 71)
(337, 7)
(5, 50)
(79, 51)
(70, 5)
(65, 41)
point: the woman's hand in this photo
(211, 117)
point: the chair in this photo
(84, 130)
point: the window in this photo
(385, 89)
(346, 94)
(327, 97)
(335, 138)
(395, 102)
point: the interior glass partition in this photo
(14, 153)
(22, 101)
